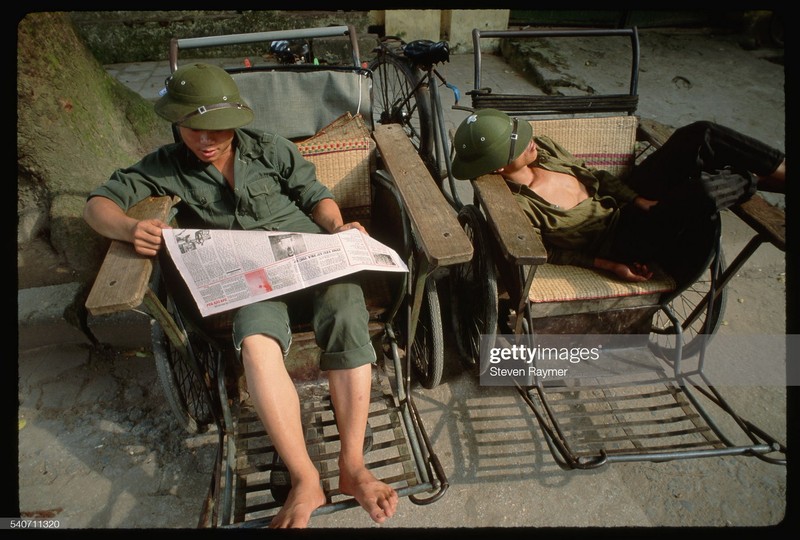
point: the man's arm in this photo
(326, 214)
(612, 185)
(106, 218)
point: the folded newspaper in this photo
(229, 269)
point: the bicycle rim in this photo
(397, 99)
(185, 391)
(701, 328)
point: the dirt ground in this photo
(98, 447)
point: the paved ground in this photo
(98, 447)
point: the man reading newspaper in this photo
(229, 177)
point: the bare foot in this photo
(775, 182)
(303, 499)
(376, 497)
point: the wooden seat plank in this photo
(434, 221)
(765, 219)
(518, 239)
(123, 277)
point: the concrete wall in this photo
(141, 36)
(411, 24)
(455, 25)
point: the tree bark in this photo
(75, 125)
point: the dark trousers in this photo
(701, 147)
(701, 169)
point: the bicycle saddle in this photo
(426, 52)
(290, 51)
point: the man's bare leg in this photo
(350, 390)
(275, 398)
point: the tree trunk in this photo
(75, 125)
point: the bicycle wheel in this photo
(399, 99)
(186, 392)
(704, 325)
(427, 348)
(473, 289)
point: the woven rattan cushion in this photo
(345, 127)
(605, 143)
(555, 284)
(344, 154)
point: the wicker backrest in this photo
(606, 143)
(344, 154)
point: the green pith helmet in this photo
(203, 96)
(487, 140)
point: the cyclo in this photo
(377, 178)
(657, 403)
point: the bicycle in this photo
(406, 92)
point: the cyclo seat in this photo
(424, 52)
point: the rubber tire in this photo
(473, 292)
(428, 345)
(185, 392)
(393, 82)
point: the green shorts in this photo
(338, 316)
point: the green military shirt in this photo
(275, 187)
(576, 235)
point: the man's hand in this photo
(104, 216)
(327, 215)
(348, 226)
(644, 204)
(628, 272)
(147, 237)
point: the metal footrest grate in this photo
(639, 417)
(621, 417)
(259, 480)
(526, 104)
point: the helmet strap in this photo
(514, 137)
(203, 109)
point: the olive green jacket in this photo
(275, 189)
(577, 235)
